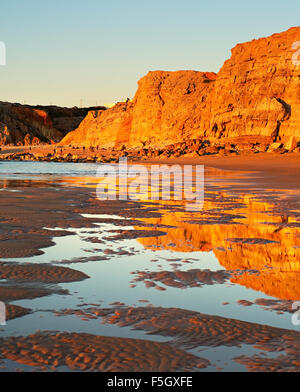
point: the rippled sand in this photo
(219, 282)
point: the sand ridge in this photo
(86, 352)
(39, 273)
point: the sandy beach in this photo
(278, 170)
(61, 246)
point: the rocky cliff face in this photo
(29, 125)
(106, 129)
(254, 99)
(169, 107)
(257, 92)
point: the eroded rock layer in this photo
(253, 101)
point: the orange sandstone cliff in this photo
(254, 99)
(257, 92)
(104, 128)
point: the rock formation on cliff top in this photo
(254, 99)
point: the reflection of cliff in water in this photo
(243, 233)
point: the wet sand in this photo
(39, 273)
(85, 352)
(185, 279)
(274, 170)
(255, 236)
(13, 292)
(278, 170)
(192, 329)
(14, 311)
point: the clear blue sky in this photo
(62, 51)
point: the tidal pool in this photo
(234, 264)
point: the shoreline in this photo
(235, 232)
(281, 171)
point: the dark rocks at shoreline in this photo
(191, 149)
